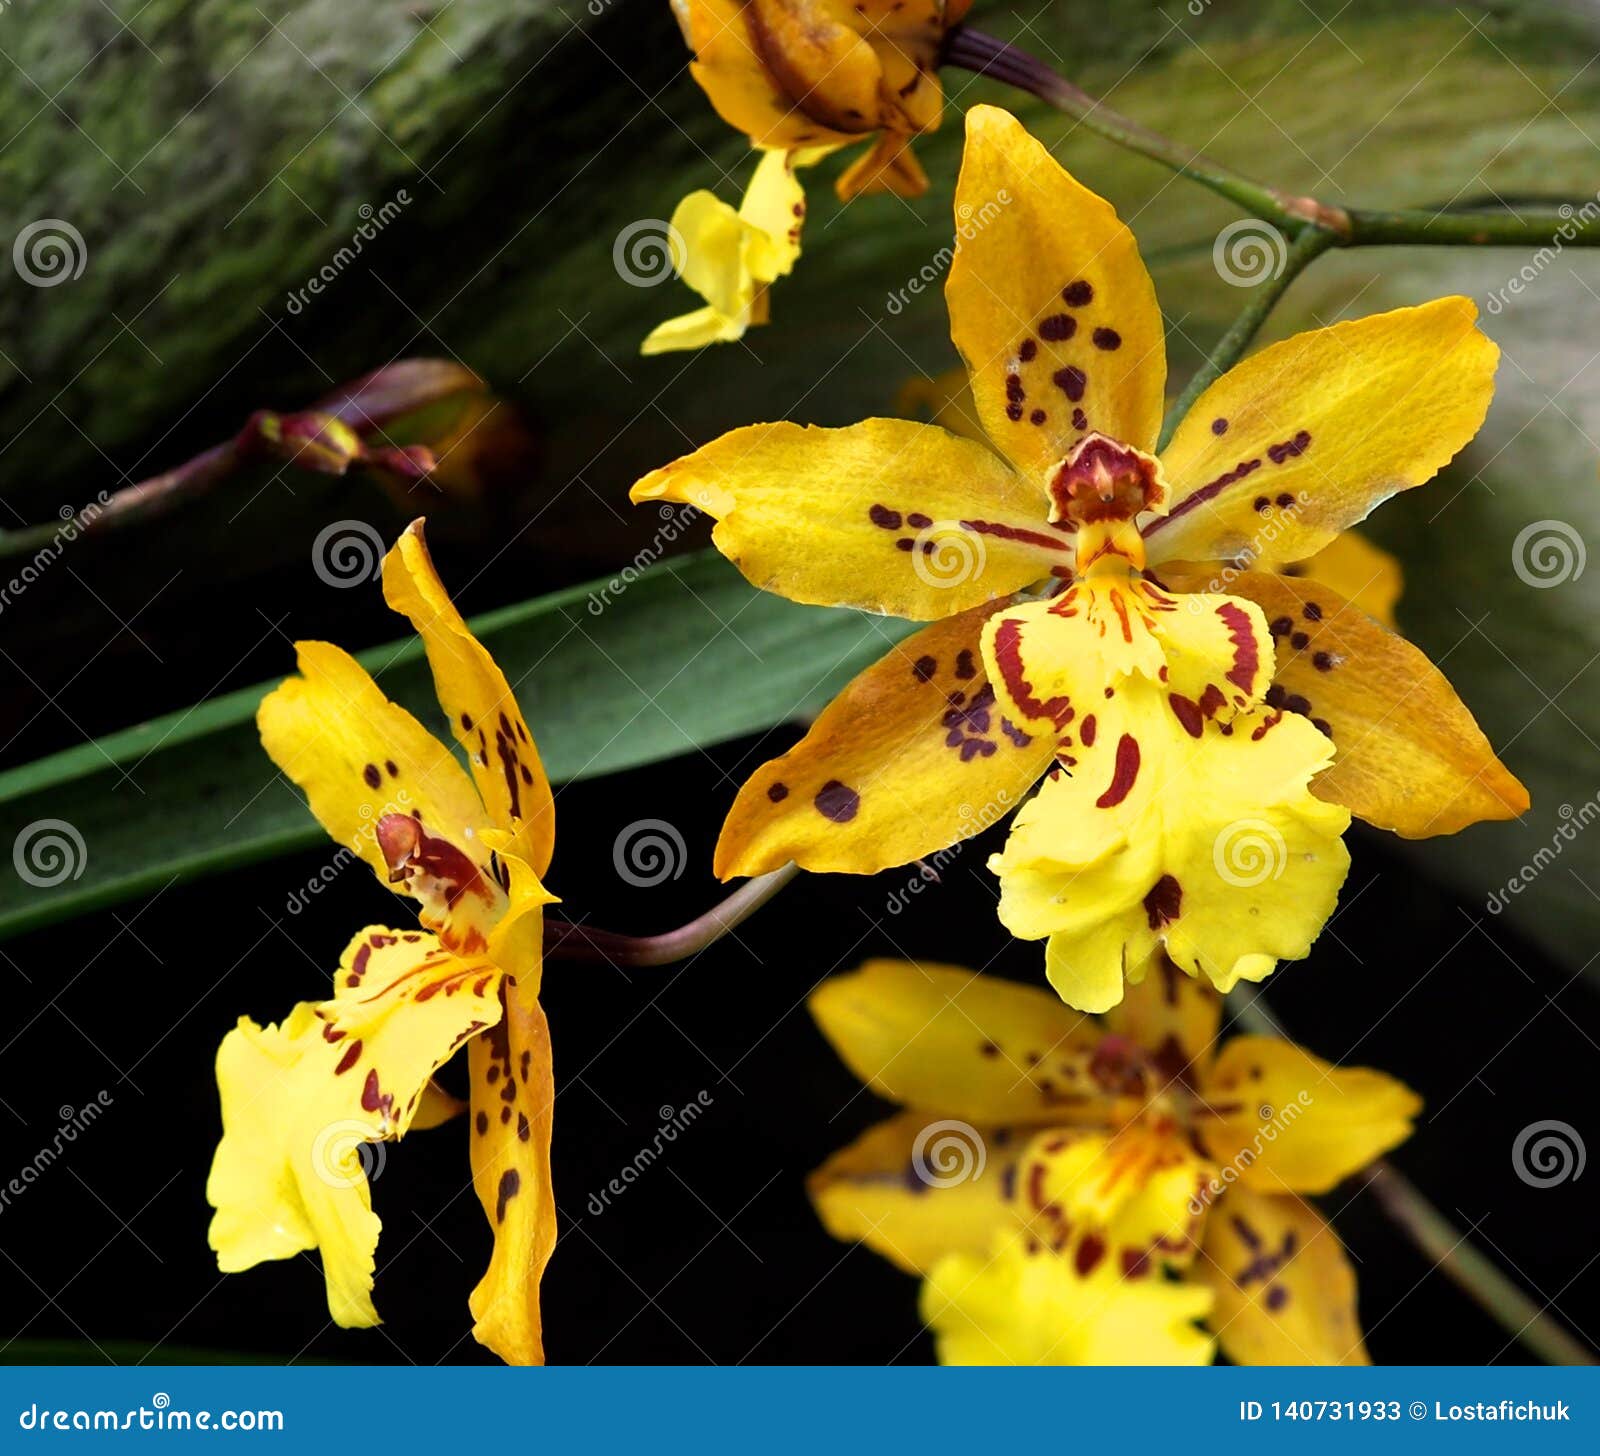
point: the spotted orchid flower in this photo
(1205, 724)
(301, 1099)
(1081, 1191)
(807, 73)
(730, 257)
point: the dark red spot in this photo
(1219, 426)
(1285, 500)
(1071, 381)
(372, 776)
(1107, 339)
(1058, 326)
(510, 1183)
(1013, 411)
(524, 1132)
(1311, 612)
(1090, 1251)
(1088, 730)
(1080, 421)
(924, 668)
(1077, 293)
(1246, 659)
(989, 1049)
(1135, 1263)
(466, 723)
(1164, 902)
(1126, 771)
(965, 667)
(919, 522)
(1276, 1297)
(1281, 626)
(483, 1124)
(372, 1098)
(1014, 390)
(837, 802)
(1262, 504)
(1029, 348)
(905, 543)
(352, 1054)
(1298, 640)
(1038, 417)
(1206, 492)
(883, 517)
(1188, 713)
(1277, 454)
(1323, 727)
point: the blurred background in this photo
(209, 160)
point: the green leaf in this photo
(610, 676)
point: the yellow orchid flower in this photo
(1080, 1191)
(300, 1099)
(1366, 576)
(730, 257)
(803, 73)
(1207, 729)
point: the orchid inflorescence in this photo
(1169, 659)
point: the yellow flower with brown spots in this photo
(1081, 1191)
(809, 73)
(301, 1099)
(1111, 620)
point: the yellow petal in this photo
(909, 761)
(1050, 305)
(916, 1188)
(747, 95)
(1168, 824)
(775, 206)
(478, 702)
(1302, 440)
(300, 1099)
(361, 759)
(513, 1104)
(1408, 754)
(1020, 1308)
(1173, 1017)
(888, 515)
(888, 166)
(1366, 576)
(1284, 1121)
(692, 330)
(1285, 1291)
(944, 1039)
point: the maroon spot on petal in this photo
(1080, 421)
(1297, 640)
(837, 802)
(1209, 491)
(371, 1097)
(989, 1049)
(1245, 656)
(1090, 1251)
(883, 517)
(1323, 727)
(1276, 1297)
(1285, 500)
(1188, 713)
(524, 1132)
(1071, 381)
(919, 522)
(924, 668)
(1135, 1263)
(352, 1054)
(1014, 390)
(905, 543)
(1311, 612)
(1038, 417)
(1164, 902)
(372, 776)
(1294, 703)
(1219, 426)
(1277, 454)
(510, 1183)
(1088, 730)
(1263, 505)
(1013, 411)
(483, 1124)
(1107, 339)
(1077, 293)
(389, 764)
(466, 723)
(1058, 326)
(1124, 774)
(1281, 626)
(1029, 348)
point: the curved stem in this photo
(972, 50)
(1443, 1243)
(1546, 225)
(587, 943)
(1311, 242)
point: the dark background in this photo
(713, 1254)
